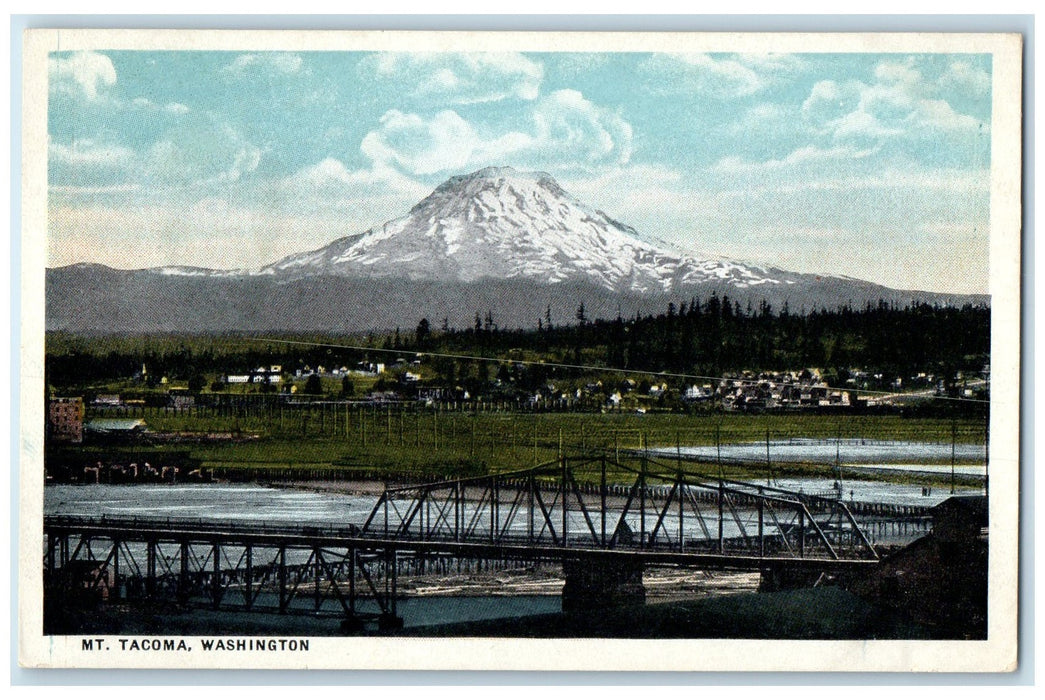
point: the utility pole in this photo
(769, 464)
(986, 445)
(535, 440)
(718, 449)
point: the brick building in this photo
(65, 419)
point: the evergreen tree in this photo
(313, 385)
(423, 332)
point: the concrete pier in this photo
(601, 583)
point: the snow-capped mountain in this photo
(500, 241)
(498, 223)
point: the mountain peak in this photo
(496, 172)
(494, 178)
(497, 238)
(501, 223)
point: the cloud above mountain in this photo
(458, 78)
(84, 74)
(565, 130)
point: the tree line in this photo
(716, 336)
(708, 337)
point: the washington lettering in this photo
(233, 644)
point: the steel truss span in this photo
(571, 503)
(574, 512)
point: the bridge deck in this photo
(504, 548)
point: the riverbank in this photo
(812, 613)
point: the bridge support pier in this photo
(784, 578)
(389, 622)
(596, 584)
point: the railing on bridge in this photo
(248, 567)
(580, 502)
(596, 517)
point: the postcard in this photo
(510, 350)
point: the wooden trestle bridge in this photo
(604, 522)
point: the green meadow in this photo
(401, 442)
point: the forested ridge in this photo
(709, 337)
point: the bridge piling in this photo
(599, 584)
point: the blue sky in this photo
(872, 165)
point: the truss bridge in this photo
(602, 521)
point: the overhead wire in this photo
(598, 368)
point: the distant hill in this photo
(496, 240)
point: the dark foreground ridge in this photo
(812, 613)
(827, 613)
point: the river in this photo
(880, 453)
(429, 602)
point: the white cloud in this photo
(893, 73)
(953, 230)
(662, 204)
(199, 150)
(460, 78)
(83, 74)
(170, 108)
(802, 156)
(278, 63)
(938, 114)
(331, 192)
(967, 79)
(574, 128)
(567, 131)
(88, 152)
(322, 174)
(446, 142)
(86, 163)
(724, 78)
(959, 181)
(860, 126)
(331, 179)
(829, 101)
(196, 150)
(719, 76)
(762, 120)
(811, 169)
(899, 104)
(622, 190)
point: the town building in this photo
(65, 419)
(261, 375)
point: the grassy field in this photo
(331, 436)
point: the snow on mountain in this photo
(514, 243)
(189, 271)
(502, 224)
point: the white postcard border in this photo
(998, 653)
